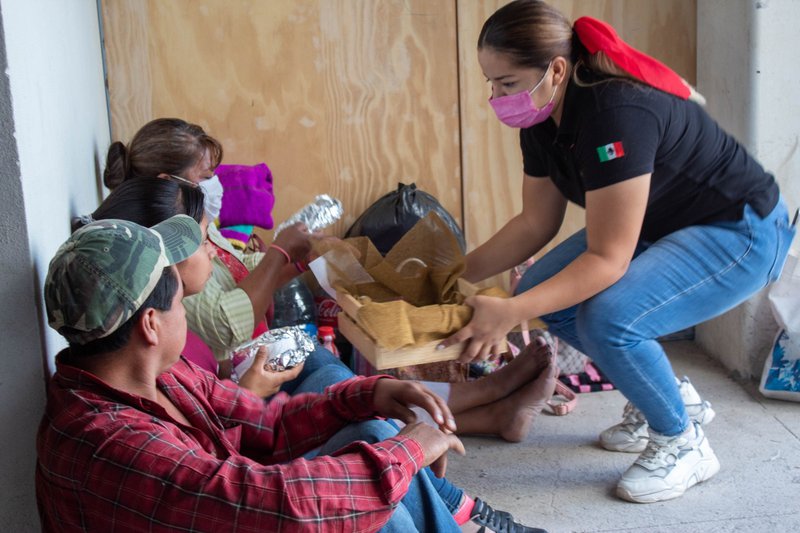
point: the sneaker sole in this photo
(706, 469)
(627, 447)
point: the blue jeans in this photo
(421, 509)
(687, 277)
(322, 369)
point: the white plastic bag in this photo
(784, 297)
(780, 378)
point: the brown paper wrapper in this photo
(411, 296)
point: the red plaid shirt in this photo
(111, 461)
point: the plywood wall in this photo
(349, 97)
(346, 97)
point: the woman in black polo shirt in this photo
(681, 225)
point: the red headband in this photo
(597, 36)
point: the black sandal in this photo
(498, 521)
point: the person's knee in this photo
(369, 431)
(557, 321)
(373, 431)
(334, 373)
(323, 377)
(553, 261)
(599, 324)
(534, 275)
(322, 357)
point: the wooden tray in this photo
(380, 357)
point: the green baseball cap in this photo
(106, 270)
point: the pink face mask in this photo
(519, 111)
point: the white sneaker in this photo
(669, 466)
(631, 435)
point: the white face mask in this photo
(212, 189)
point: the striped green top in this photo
(222, 315)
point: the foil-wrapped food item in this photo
(320, 213)
(288, 347)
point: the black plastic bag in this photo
(393, 214)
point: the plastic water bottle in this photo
(326, 337)
(295, 306)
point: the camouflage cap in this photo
(106, 270)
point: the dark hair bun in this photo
(116, 165)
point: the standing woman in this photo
(682, 224)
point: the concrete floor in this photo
(559, 479)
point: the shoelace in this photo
(695, 409)
(656, 454)
(498, 521)
(631, 416)
(634, 418)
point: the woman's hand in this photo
(485, 335)
(296, 240)
(393, 398)
(264, 382)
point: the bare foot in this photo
(529, 401)
(511, 417)
(497, 385)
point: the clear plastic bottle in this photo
(295, 306)
(326, 337)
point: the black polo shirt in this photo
(617, 130)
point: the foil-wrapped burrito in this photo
(288, 347)
(320, 213)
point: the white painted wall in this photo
(62, 130)
(776, 109)
(60, 133)
(745, 68)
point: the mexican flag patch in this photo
(610, 151)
